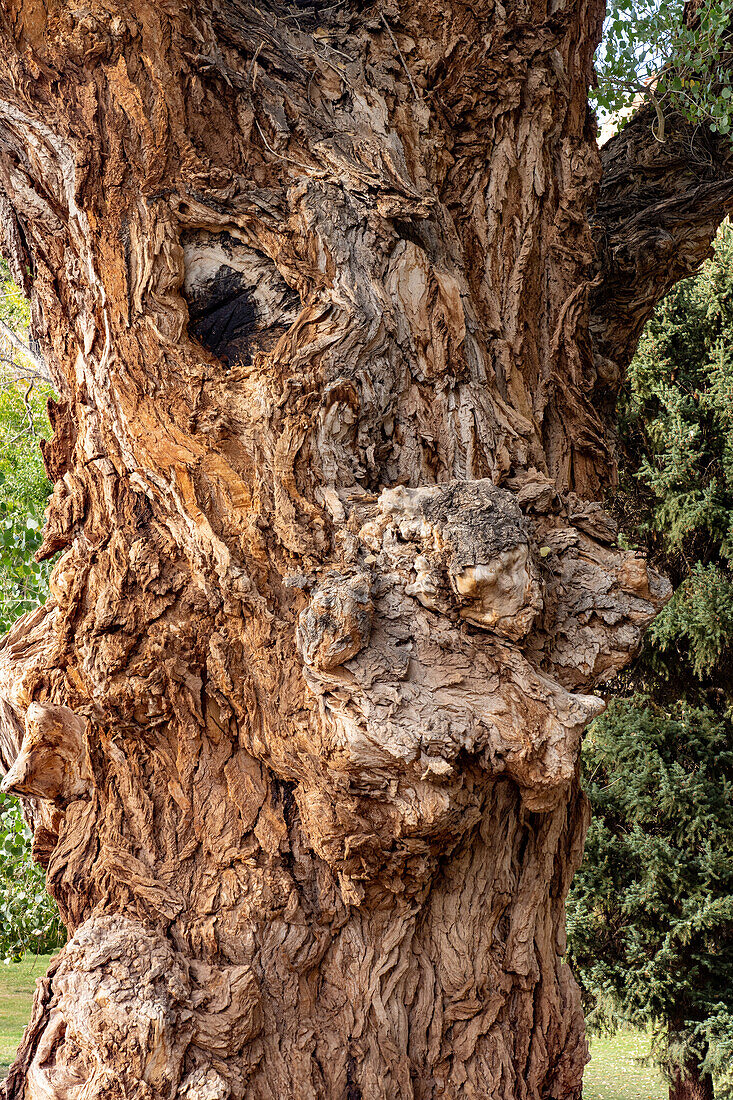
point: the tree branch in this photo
(13, 245)
(658, 211)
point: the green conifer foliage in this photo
(651, 913)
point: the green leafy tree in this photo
(651, 914)
(29, 918)
(651, 52)
(24, 490)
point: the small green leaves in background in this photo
(14, 307)
(650, 918)
(23, 581)
(699, 619)
(24, 487)
(649, 55)
(676, 416)
(29, 919)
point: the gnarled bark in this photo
(658, 210)
(299, 727)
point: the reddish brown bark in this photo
(299, 726)
(690, 1084)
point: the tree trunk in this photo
(299, 727)
(690, 1084)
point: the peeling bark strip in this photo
(299, 726)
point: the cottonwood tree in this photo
(336, 346)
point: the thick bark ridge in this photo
(299, 726)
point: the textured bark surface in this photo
(658, 210)
(299, 727)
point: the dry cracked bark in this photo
(299, 726)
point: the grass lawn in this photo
(17, 986)
(614, 1073)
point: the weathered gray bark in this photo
(299, 727)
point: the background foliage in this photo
(28, 917)
(651, 913)
(648, 53)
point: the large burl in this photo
(456, 629)
(53, 762)
(298, 728)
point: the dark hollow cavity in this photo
(238, 302)
(223, 316)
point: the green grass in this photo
(614, 1072)
(17, 986)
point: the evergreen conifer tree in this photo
(651, 913)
